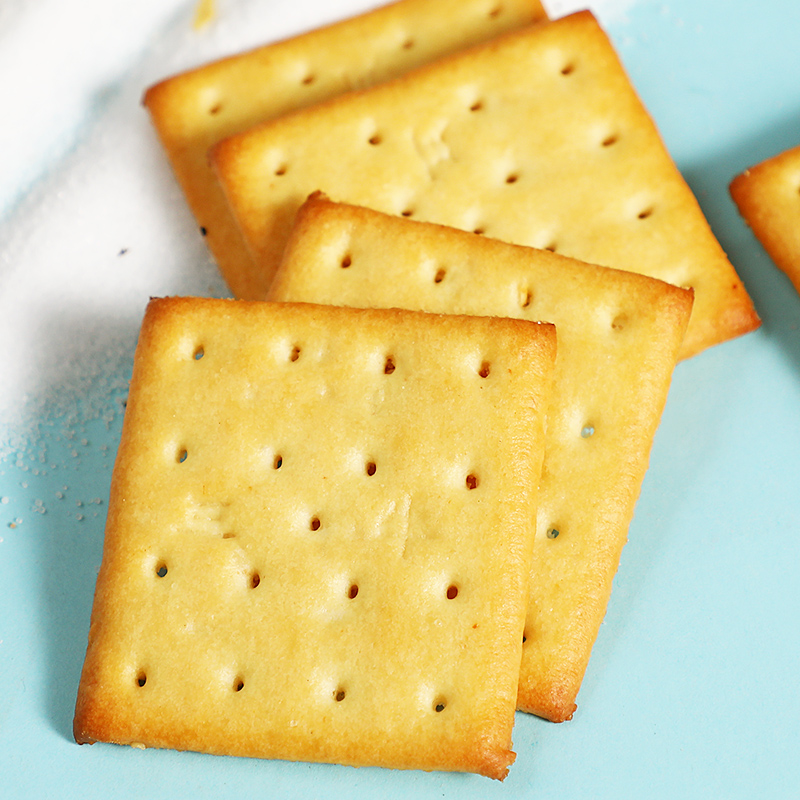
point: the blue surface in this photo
(692, 690)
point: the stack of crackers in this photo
(369, 509)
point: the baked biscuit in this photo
(196, 109)
(319, 536)
(535, 138)
(618, 338)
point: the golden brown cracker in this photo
(196, 109)
(618, 338)
(535, 138)
(319, 536)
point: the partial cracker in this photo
(619, 335)
(768, 197)
(535, 138)
(196, 109)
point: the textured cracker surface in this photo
(618, 339)
(289, 519)
(195, 110)
(536, 138)
(768, 197)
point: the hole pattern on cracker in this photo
(227, 682)
(592, 144)
(619, 322)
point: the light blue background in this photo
(692, 690)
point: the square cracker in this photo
(196, 109)
(319, 536)
(535, 138)
(618, 338)
(768, 197)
